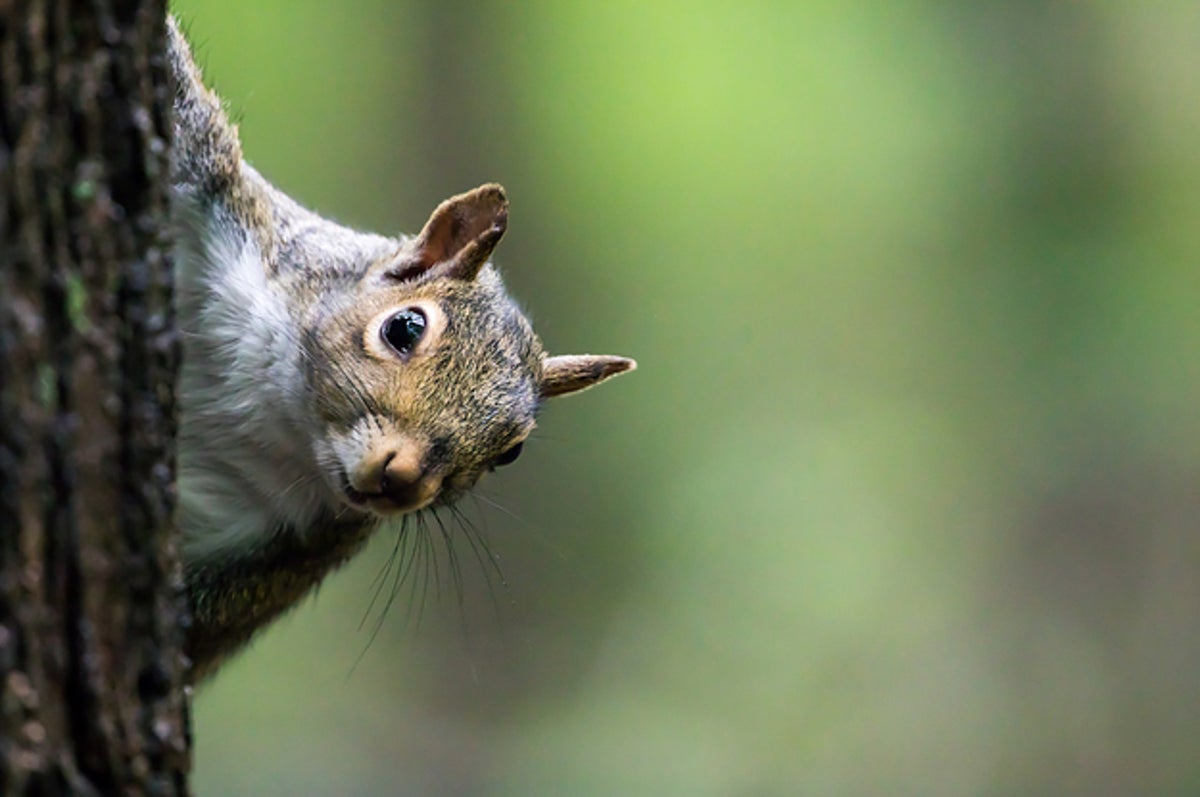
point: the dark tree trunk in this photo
(91, 674)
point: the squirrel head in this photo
(426, 374)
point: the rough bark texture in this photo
(91, 674)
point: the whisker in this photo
(398, 549)
(423, 579)
(307, 478)
(376, 585)
(488, 565)
(451, 558)
(413, 566)
(478, 495)
(433, 558)
(412, 546)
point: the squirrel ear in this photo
(570, 373)
(459, 236)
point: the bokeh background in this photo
(903, 499)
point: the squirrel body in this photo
(331, 379)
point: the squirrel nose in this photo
(404, 482)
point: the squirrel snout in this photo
(406, 486)
(394, 480)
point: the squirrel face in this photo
(437, 381)
(426, 375)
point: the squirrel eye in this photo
(509, 456)
(404, 330)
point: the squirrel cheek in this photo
(344, 447)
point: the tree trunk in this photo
(91, 674)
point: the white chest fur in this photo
(246, 466)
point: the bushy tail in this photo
(206, 163)
(208, 154)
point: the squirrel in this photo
(332, 380)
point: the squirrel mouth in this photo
(377, 503)
(357, 498)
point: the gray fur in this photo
(292, 405)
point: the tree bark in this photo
(92, 697)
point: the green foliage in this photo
(902, 499)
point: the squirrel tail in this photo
(209, 154)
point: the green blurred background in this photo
(903, 500)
